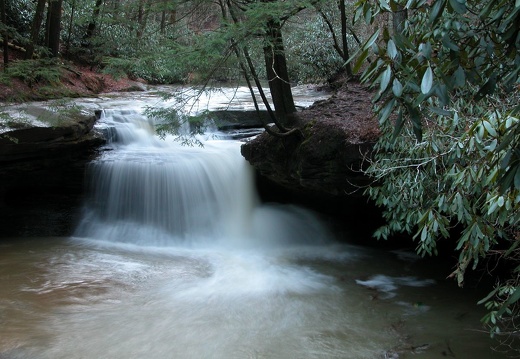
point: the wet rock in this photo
(336, 138)
(321, 166)
(42, 176)
(226, 120)
(53, 143)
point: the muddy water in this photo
(175, 257)
(77, 298)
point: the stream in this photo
(175, 256)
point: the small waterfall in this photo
(155, 192)
(151, 191)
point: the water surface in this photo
(175, 257)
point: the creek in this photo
(175, 256)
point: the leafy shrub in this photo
(448, 163)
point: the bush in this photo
(449, 156)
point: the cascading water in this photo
(176, 258)
(150, 191)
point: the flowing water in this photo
(175, 257)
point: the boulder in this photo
(321, 162)
(52, 143)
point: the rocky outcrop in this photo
(322, 162)
(326, 158)
(320, 167)
(42, 171)
(51, 143)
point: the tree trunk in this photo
(399, 16)
(345, 51)
(4, 35)
(93, 21)
(35, 28)
(71, 23)
(142, 17)
(277, 74)
(163, 22)
(54, 26)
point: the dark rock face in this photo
(51, 143)
(320, 167)
(320, 172)
(320, 162)
(325, 158)
(42, 177)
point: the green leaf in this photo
(386, 111)
(441, 90)
(371, 40)
(425, 49)
(436, 11)
(459, 77)
(416, 118)
(385, 78)
(492, 208)
(487, 9)
(427, 81)
(398, 125)
(507, 158)
(368, 15)
(397, 88)
(507, 180)
(512, 248)
(489, 296)
(448, 43)
(488, 88)
(517, 178)
(489, 128)
(360, 61)
(440, 111)
(384, 5)
(459, 6)
(417, 125)
(391, 49)
(513, 298)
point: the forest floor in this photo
(75, 81)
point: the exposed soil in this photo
(75, 81)
(349, 110)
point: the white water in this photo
(176, 258)
(157, 192)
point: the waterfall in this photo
(149, 191)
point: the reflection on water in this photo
(77, 298)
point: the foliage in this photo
(45, 71)
(185, 128)
(170, 42)
(310, 53)
(448, 162)
(18, 15)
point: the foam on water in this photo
(156, 192)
